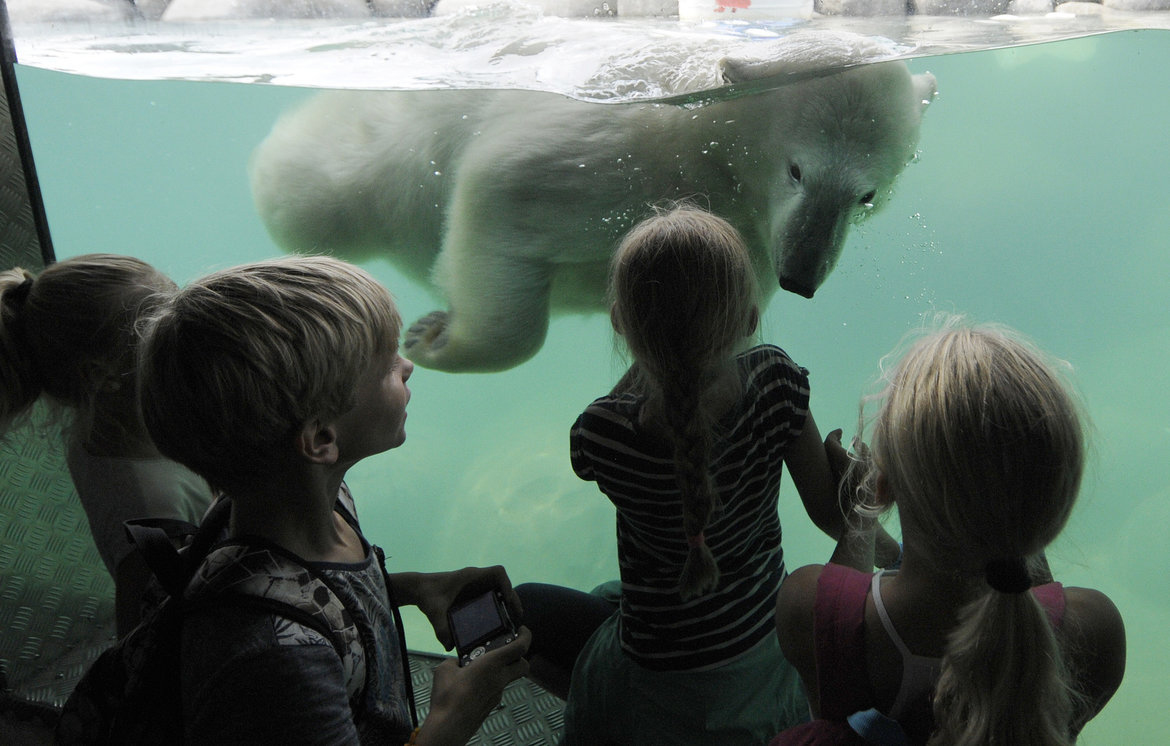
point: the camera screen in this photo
(475, 620)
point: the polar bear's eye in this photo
(868, 198)
(794, 172)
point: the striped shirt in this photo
(635, 470)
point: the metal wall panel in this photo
(56, 598)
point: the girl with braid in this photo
(979, 444)
(689, 447)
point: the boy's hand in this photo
(462, 698)
(436, 592)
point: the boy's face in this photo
(378, 418)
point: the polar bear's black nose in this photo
(796, 287)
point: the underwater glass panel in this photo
(1038, 198)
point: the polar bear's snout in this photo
(793, 286)
(811, 237)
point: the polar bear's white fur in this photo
(511, 202)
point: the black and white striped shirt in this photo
(635, 470)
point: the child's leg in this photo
(562, 620)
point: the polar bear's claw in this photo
(427, 334)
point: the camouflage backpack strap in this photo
(266, 577)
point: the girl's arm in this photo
(1094, 636)
(808, 463)
(816, 470)
(856, 547)
(795, 627)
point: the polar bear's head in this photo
(839, 137)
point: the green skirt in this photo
(613, 700)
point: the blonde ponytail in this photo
(1003, 678)
(78, 316)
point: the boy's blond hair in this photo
(236, 363)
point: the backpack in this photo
(132, 693)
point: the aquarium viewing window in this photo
(1033, 194)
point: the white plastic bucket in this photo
(746, 10)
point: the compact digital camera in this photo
(479, 623)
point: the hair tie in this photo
(16, 296)
(696, 541)
(1008, 575)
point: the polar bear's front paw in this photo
(427, 335)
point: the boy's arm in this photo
(282, 694)
(462, 698)
(433, 593)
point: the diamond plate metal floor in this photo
(527, 715)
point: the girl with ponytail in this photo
(68, 338)
(979, 444)
(690, 447)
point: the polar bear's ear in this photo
(925, 89)
(803, 52)
(742, 70)
(737, 71)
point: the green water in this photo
(1040, 199)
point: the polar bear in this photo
(511, 202)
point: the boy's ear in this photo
(613, 319)
(753, 321)
(317, 443)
